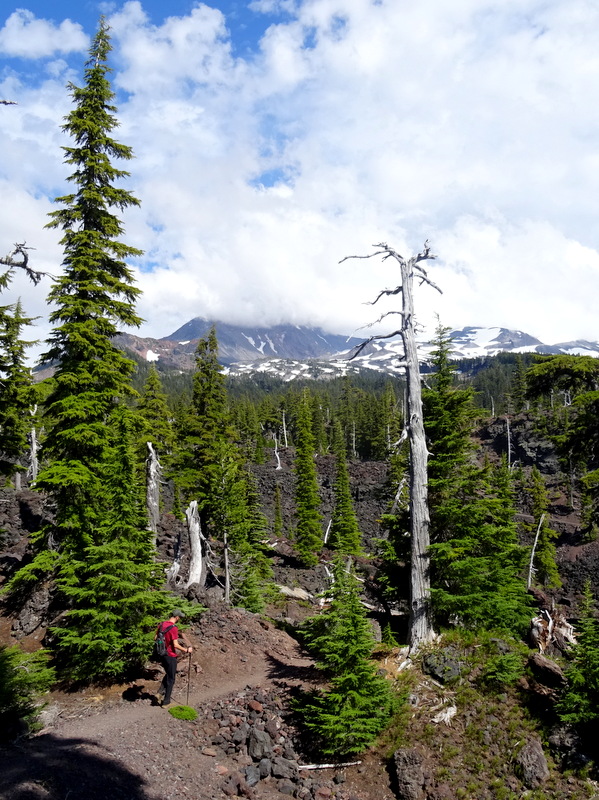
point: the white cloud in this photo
(469, 123)
(25, 36)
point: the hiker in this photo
(169, 660)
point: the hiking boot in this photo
(167, 705)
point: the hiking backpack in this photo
(159, 643)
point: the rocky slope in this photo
(456, 738)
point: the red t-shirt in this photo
(169, 637)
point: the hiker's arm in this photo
(177, 646)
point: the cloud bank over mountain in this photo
(348, 122)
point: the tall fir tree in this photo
(156, 415)
(202, 428)
(347, 717)
(345, 532)
(308, 531)
(476, 561)
(93, 298)
(97, 540)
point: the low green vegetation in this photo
(183, 712)
(24, 677)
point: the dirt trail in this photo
(119, 744)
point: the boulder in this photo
(444, 665)
(409, 773)
(259, 745)
(532, 764)
(547, 671)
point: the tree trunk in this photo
(196, 562)
(33, 459)
(227, 570)
(153, 473)
(420, 627)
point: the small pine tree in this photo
(278, 515)
(347, 717)
(580, 702)
(345, 533)
(545, 566)
(156, 416)
(307, 500)
(17, 393)
(23, 678)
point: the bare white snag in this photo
(153, 474)
(227, 569)
(531, 569)
(196, 561)
(420, 627)
(284, 430)
(277, 456)
(33, 468)
(172, 573)
(328, 530)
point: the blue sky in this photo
(273, 138)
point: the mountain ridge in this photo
(292, 351)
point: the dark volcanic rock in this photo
(547, 671)
(532, 764)
(409, 773)
(443, 665)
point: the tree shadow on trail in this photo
(51, 768)
(308, 674)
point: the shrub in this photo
(183, 712)
(23, 677)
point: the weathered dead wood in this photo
(420, 629)
(227, 569)
(329, 766)
(531, 569)
(153, 474)
(11, 261)
(33, 468)
(196, 561)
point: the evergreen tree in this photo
(202, 428)
(478, 569)
(93, 297)
(278, 514)
(345, 533)
(106, 572)
(477, 562)
(545, 566)
(156, 416)
(347, 717)
(24, 677)
(518, 389)
(114, 587)
(580, 702)
(307, 500)
(17, 396)
(239, 524)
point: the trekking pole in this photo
(188, 678)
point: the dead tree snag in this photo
(420, 629)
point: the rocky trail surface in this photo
(117, 743)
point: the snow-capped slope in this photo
(291, 351)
